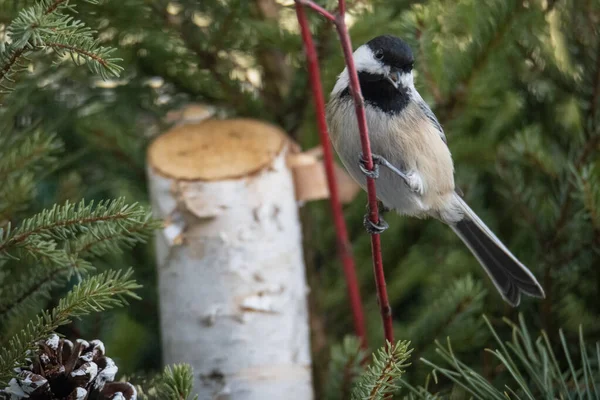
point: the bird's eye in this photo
(379, 54)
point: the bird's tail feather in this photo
(509, 275)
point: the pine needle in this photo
(176, 383)
(381, 377)
(104, 291)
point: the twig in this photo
(342, 30)
(317, 8)
(343, 245)
(68, 222)
(79, 50)
(35, 287)
(383, 377)
(53, 6)
(12, 61)
(19, 52)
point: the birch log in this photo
(230, 266)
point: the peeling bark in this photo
(231, 273)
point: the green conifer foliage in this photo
(43, 249)
(515, 83)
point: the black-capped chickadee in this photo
(408, 141)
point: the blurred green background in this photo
(515, 83)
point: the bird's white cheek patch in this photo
(406, 80)
(366, 62)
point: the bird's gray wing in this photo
(431, 116)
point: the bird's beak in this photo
(394, 78)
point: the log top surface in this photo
(216, 149)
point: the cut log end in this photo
(216, 149)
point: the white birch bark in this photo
(231, 273)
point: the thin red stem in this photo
(317, 8)
(344, 247)
(378, 271)
(359, 105)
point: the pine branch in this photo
(42, 26)
(11, 64)
(40, 251)
(532, 367)
(101, 292)
(53, 5)
(20, 159)
(35, 151)
(176, 383)
(589, 193)
(211, 62)
(79, 51)
(15, 195)
(112, 240)
(562, 80)
(20, 295)
(345, 367)
(85, 49)
(593, 139)
(63, 222)
(457, 305)
(451, 106)
(379, 380)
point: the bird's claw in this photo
(362, 164)
(374, 228)
(414, 182)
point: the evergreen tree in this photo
(516, 85)
(45, 250)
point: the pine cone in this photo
(62, 370)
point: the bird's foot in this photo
(412, 178)
(374, 228)
(362, 164)
(414, 182)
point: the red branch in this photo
(344, 248)
(340, 24)
(317, 8)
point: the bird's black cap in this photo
(392, 51)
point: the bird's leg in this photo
(411, 178)
(381, 225)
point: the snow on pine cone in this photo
(63, 370)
